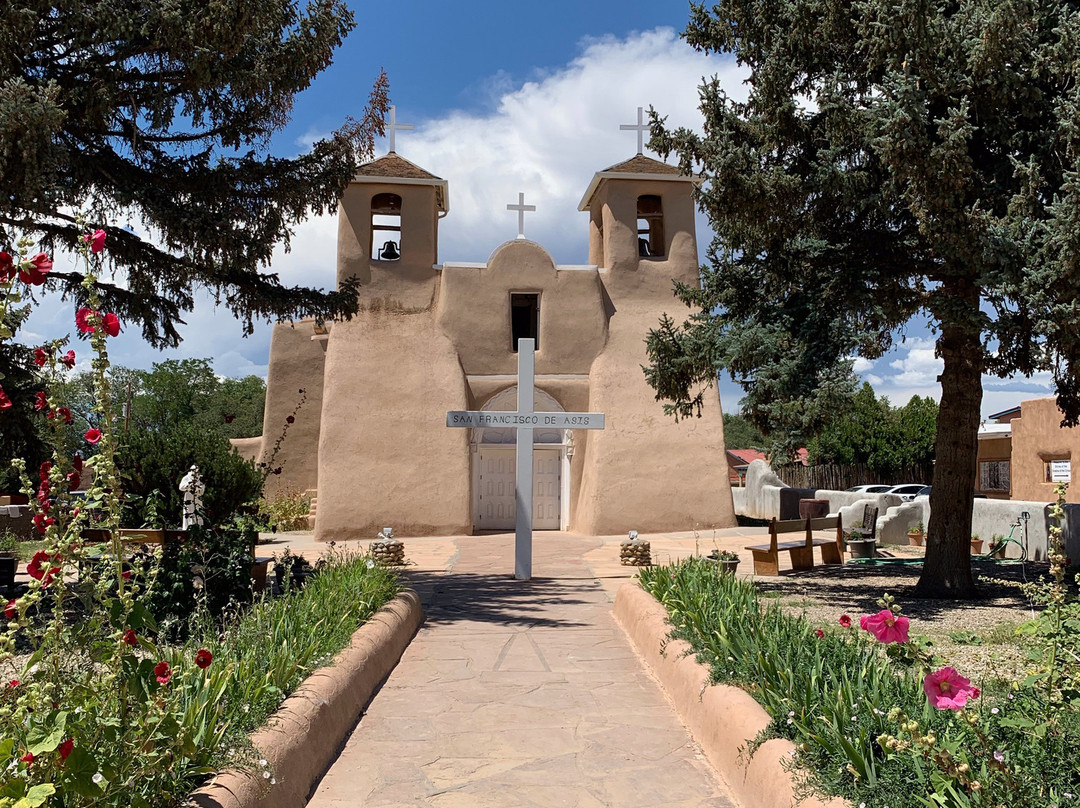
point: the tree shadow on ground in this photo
(498, 599)
(862, 584)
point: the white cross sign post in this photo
(521, 207)
(525, 420)
(641, 128)
(393, 126)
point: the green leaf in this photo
(36, 796)
(41, 738)
(80, 767)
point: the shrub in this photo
(156, 460)
(287, 510)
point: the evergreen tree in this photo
(739, 433)
(162, 112)
(894, 159)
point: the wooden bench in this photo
(767, 556)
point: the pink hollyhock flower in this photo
(92, 435)
(41, 356)
(68, 359)
(111, 324)
(34, 270)
(163, 673)
(130, 638)
(203, 658)
(845, 621)
(7, 267)
(43, 573)
(948, 690)
(64, 414)
(82, 320)
(5, 402)
(65, 749)
(40, 401)
(886, 626)
(11, 609)
(95, 240)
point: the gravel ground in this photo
(977, 637)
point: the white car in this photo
(907, 492)
(869, 489)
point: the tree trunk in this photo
(947, 569)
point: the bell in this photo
(643, 247)
(389, 252)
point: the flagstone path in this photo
(518, 694)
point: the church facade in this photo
(369, 441)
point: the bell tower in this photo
(388, 231)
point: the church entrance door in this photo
(495, 501)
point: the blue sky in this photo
(505, 97)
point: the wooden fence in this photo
(840, 478)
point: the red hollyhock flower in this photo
(27, 758)
(74, 480)
(126, 575)
(819, 633)
(40, 401)
(7, 267)
(14, 683)
(43, 471)
(68, 359)
(41, 522)
(277, 470)
(11, 609)
(43, 573)
(96, 240)
(163, 673)
(130, 638)
(50, 414)
(845, 621)
(82, 320)
(64, 414)
(41, 356)
(34, 271)
(111, 323)
(92, 435)
(229, 419)
(203, 658)
(290, 419)
(5, 402)
(65, 749)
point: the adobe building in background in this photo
(1024, 453)
(370, 441)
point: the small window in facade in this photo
(994, 475)
(524, 319)
(386, 227)
(650, 226)
(1058, 470)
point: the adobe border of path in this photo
(721, 718)
(306, 734)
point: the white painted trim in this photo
(576, 267)
(564, 487)
(464, 265)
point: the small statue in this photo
(193, 488)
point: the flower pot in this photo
(915, 539)
(8, 565)
(862, 548)
(813, 508)
(729, 567)
(976, 546)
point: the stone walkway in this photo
(518, 694)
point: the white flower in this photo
(266, 775)
(247, 707)
(370, 564)
(791, 714)
(854, 718)
(994, 710)
(97, 778)
(791, 720)
(263, 763)
(273, 781)
(862, 805)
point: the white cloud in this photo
(861, 365)
(920, 368)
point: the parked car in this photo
(907, 492)
(869, 489)
(925, 492)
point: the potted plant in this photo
(997, 545)
(860, 548)
(976, 544)
(915, 534)
(727, 560)
(9, 558)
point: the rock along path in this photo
(519, 694)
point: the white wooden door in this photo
(496, 500)
(546, 489)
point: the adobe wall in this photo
(1037, 437)
(296, 362)
(386, 456)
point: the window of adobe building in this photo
(524, 319)
(650, 226)
(386, 227)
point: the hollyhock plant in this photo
(886, 626)
(5, 402)
(33, 270)
(7, 267)
(11, 609)
(82, 320)
(162, 672)
(40, 401)
(41, 356)
(203, 658)
(93, 435)
(130, 638)
(96, 240)
(66, 749)
(41, 567)
(68, 360)
(845, 621)
(110, 323)
(948, 690)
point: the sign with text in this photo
(550, 420)
(1060, 471)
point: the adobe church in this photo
(370, 442)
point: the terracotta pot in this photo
(813, 508)
(976, 546)
(915, 539)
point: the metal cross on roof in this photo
(521, 208)
(393, 126)
(641, 128)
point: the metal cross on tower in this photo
(521, 207)
(393, 126)
(641, 128)
(524, 421)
